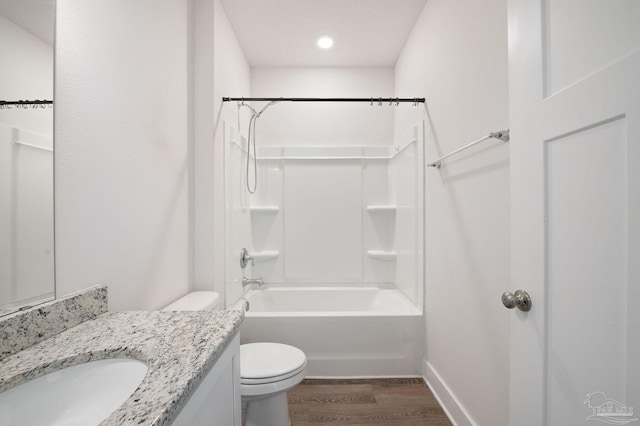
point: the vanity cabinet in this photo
(216, 401)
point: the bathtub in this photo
(346, 331)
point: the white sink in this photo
(81, 395)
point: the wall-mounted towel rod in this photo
(379, 101)
(503, 135)
(26, 104)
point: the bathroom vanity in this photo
(192, 357)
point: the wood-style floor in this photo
(406, 402)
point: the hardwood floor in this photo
(405, 402)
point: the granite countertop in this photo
(178, 347)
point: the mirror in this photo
(26, 153)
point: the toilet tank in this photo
(196, 301)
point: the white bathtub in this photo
(345, 331)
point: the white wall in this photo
(457, 58)
(130, 188)
(323, 124)
(122, 149)
(203, 130)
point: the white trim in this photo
(447, 400)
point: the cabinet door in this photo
(216, 401)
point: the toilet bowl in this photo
(268, 371)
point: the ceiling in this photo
(35, 16)
(283, 33)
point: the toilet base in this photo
(269, 411)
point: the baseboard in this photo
(365, 377)
(448, 401)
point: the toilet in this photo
(196, 301)
(267, 370)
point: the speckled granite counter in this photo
(178, 347)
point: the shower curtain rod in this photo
(415, 101)
(24, 103)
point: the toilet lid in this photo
(265, 360)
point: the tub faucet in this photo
(248, 281)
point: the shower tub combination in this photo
(358, 330)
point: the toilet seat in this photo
(268, 368)
(267, 362)
(275, 379)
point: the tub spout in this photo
(248, 281)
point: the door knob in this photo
(520, 299)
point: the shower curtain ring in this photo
(379, 101)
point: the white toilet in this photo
(196, 301)
(267, 370)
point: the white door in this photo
(575, 159)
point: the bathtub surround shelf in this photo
(386, 255)
(260, 256)
(264, 210)
(382, 209)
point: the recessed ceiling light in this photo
(325, 42)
